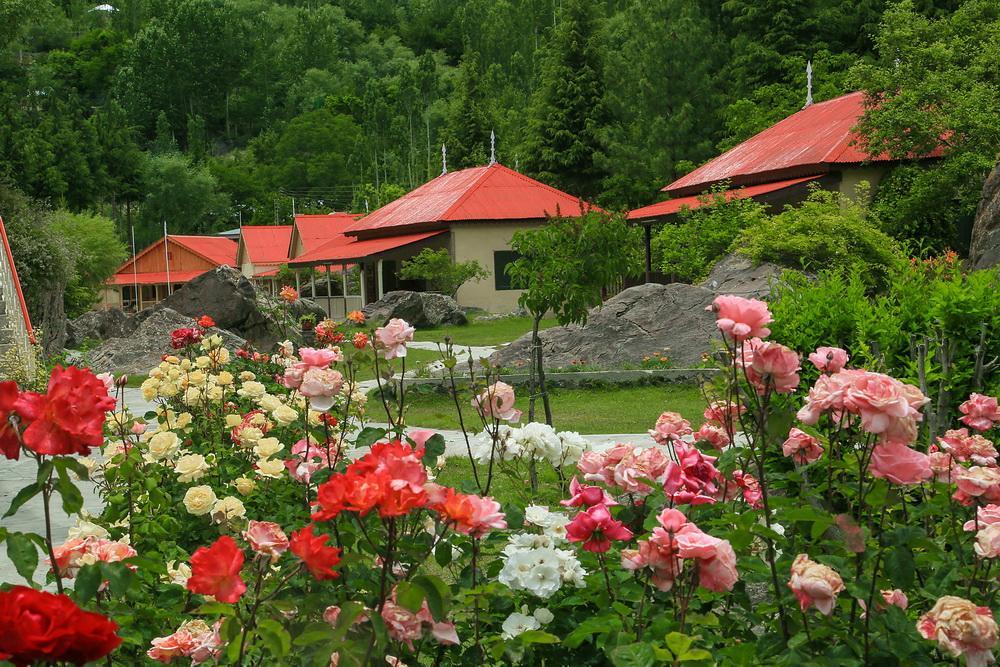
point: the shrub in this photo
(689, 249)
(440, 272)
(827, 231)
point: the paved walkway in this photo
(14, 475)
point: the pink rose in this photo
(497, 402)
(741, 318)
(985, 516)
(420, 436)
(596, 529)
(584, 494)
(988, 541)
(899, 464)
(638, 465)
(829, 359)
(978, 482)
(980, 412)
(895, 598)
(815, 584)
(802, 447)
(961, 628)
(320, 385)
(718, 573)
(878, 399)
(965, 447)
(725, 414)
(391, 339)
(317, 357)
(773, 365)
(943, 465)
(266, 538)
(670, 426)
(713, 435)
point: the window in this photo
(501, 258)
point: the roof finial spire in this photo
(493, 147)
(444, 160)
(809, 84)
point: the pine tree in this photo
(568, 111)
(467, 130)
(164, 141)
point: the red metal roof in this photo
(154, 277)
(672, 206)
(336, 251)
(17, 283)
(315, 230)
(265, 244)
(807, 142)
(217, 249)
(493, 192)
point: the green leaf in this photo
(119, 575)
(369, 435)
(591, 626)
(213, 608)
(88, 580)
(433, 448)
(678, 643)
(73, 465)
(409, 596)
(276, 639)
(633, 655)
(349, 612)
(442, 553)
(22, 552)
(695, 654)
(44, 470)
(537, 637)
(72, 499)
(23, 496)
(437, 594)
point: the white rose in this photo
(227, 509)
(199, 500)
(272, 468)
(224, 379)
(252, 389)
(163, 445)
(517, 623)
(284, 415)
(267, 447)
(246, 376)
(191, 468)
(177, 573)
(543, 615)
(269, 402)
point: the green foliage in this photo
(565, 265)
(688, 249)
(440, 272)
(97, 253)
(177, 190)
(828, 231)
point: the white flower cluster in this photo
(533, 440)
(521, 621)
(553, 524)
(532, 563)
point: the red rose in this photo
(40, 626)
(183, 337)
(319, 558)
(215, 571)
(9, 444)
(69, 418)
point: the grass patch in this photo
(483, 332)
(631, 409)
(415, 360)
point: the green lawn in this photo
(599, 410)
(478, 332)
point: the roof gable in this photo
(806, 143)
(216, 249)
(264, 244)
(313, 230)
(493, 192)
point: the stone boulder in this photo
(421, 309)
(96, 325)
(141, 349)
(984, 251)
(737, 274)
(235, 304)
(638, 322)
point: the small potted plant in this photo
(307, 326)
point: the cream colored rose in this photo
(250, 435)
(149, 389)
(224, 379)
(198, 378)
(214, 393)
(173, 373)
(177, 573)
(284, 415)
(220, 356)
(199, 500)
(191, 468)
(269, 402)
(244, 485)
(84, 529)
(202, 361)
(183, 420)
(246, 376)
(267, 447)
(186, 365)
(172, 359)
(212, 342)
(314, 418)
(192, 396)
(163, 445)
(252, 389)
(272, 468)
(227, 509)
(233, 420)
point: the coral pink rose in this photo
(943, 465)
(266, 538)
(670, 426)
(900, 464)
(318, 357)
(895, 598)
(879, 400)
(713, 435)
(829, 359)
(965, 447)
(978, 482)
(497, 402)
(640, 464)
(980, 412)
(802, 447)
(320, 385)
(718, 573)
(391, 339)
(725, 414)
(741, 318)
(815, 584)
(773, 365)
(960, 627)
(988, 541)
(985, 516)
(420, 436)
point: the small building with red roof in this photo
(817, 145)
(261, 252)
(162, 267)
(472, 212)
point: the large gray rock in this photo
(638, 322)
(96, 325)
(737, 274)
(421, 309)
(235, 304)
(984, 251)
(141, 349)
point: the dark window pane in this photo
(501, 258)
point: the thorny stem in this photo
(46, 496)
(387, 563)
(607, 579)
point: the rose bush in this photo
(267, 511)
